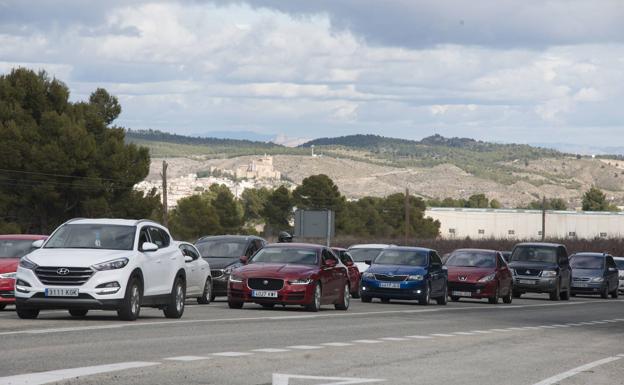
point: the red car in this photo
(475, 273)
(12, 248)
(352, 269)
(291, 274)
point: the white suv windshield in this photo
(93, 236)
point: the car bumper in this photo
(288, 295)
(89, 295)
(220, 286)
(409, 290)
(7, 291)
(621, 286)
(535, 285)
(477, 290)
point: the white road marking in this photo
(420, 337)
(305, 347)
(187, 358)
(394, 339)
(294, 317)
(481, 331)
(561, 326)
(283, 379)
(464, 333)
(499, 330)
(65, 374)
(562, 376)
(442, 335)
(514, 329)
(337, 344)
(270, 350)
(547, 327)
(367, 341)
(232, 354)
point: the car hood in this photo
(532, 265)
(397, 270)
(362, 266)
(276, 270)
(469, 274)
(587, 272)
(8, 265)
(221, 263)
(75, 257)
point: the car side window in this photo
(156, 237)
(143, 237)
(166, 238)
(345, 257)
(435, 259)
(189, 251)
(251, 249)
(501, 260)
(610, 262)
(328, 255)
(562, 256)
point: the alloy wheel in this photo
(179, 298)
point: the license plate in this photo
(64, 292)
(461, 294)
(579, 284)
(390, 285)
(264, 294)
(526, 282)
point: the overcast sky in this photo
(513, 71)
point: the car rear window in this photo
(534, 254)
(222, 248)
(288, 255)
(362, 255)
(587, 262)
(402, 257)
(472, 259)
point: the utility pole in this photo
(164, 189)
(543, 218)
(407, 218)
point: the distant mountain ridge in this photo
(161, 136)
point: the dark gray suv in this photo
(541, 268)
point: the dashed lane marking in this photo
(305, 347)
(187, 358)
(393, 339)
(231, 354)
(420, 337)
(270, 350)
(464, 333)
(367, 341)
(337, 344)
(442, 335)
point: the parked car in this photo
(352, 269)
(223, 252)
(291, 274)
(108, 264)
(541, 268)
(12, 248)
(475, 273)
(408, 273)
(619, 262)
(594, 273)
(366, 252)
(198, 279)
(506, 255)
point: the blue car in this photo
(406, 273)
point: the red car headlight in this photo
(306, 281)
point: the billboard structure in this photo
(315, 224)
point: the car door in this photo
(564, 268)
(164, 260)
(194, 283)
(504, 274)
(328, 276)
(151, 265)
(612, 273)
(436, 273)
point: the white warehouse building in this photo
(526, 224)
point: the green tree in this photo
(253, 201)
(60, 159)
(229, 213)
(595, 200)
(495, 204)
(194, 217)
(318, 192)
(551, 204)
(277, 211)
(478, 201)
(105, 105)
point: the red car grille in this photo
(265, 283)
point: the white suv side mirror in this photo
(37, 244)
(188, 259)
(149, 246)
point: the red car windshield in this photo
(15, 248)
(471, 259)
(294, 255)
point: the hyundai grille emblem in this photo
(265, 282)
(62, 271)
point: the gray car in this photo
(594, 273)
(541, 268)
(619, 262)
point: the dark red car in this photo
(12, 248)
(475, 273)
(291, 274)
(352, 269)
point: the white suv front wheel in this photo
(175, 307)
(131, 306)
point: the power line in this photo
(62, 175)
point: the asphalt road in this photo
(532, 341)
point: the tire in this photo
(615, 293)
(346, 299)
(26, 313)
(444, 299)
(555, 295)
(267, 305)
(366, 299)
(427, 298)
(573, 294)
(604, 293)
(131, 306)
(355, 294)
(494, 300)
(508, 298)
(516, 294)
(315, 304)
(565, 296)
(385, 300)
(235, 304)
(175, 306)
(78, 313)
(212, 296)
(454, 299)
(2, 306)
(206, 297)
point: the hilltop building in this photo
(260, 168)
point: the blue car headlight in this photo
(416, 277)
(368, 275)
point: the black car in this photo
(541, 268)
(594, 273)
(223, 252)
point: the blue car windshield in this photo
(402, 257)
(587, 262)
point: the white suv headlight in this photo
(549, 274)
(8, 275)
(27, 264)
(111, 265)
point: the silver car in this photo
(619, 262)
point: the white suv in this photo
(109, 264)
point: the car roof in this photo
(411, 248)
(339, 249)
(370, 246)
(619, 258)
(542, 244)
(300, 245)
(226, 236)
(590, 254)
(109, 221)
(479, 250)
(27, 237)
